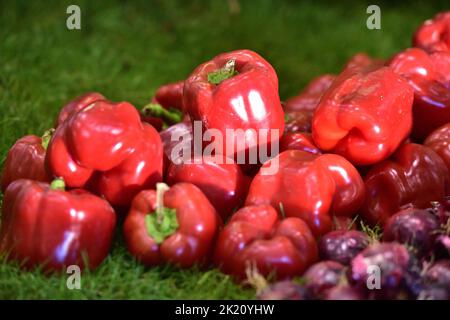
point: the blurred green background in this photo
(126, 50)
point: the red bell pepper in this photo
(257, 236)
(78, 104)
(310, 187)
(44, 225)
(434, 34)
(439, 142)
(429, 76)
(176, 225)
(298, 141)
(25, 160)
(415, 175)
(219, 178)
(106, 149)
(236, 90)
(365, 115)
(309, 97)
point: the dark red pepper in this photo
(25, 160)
(176, 226)
(220, 179)
(429, 76)
(44, 225)
(434, 34)
(311, 187)
(365, 115)
(236, 90)
(298, 121)
(439, 141)
(414, 175)
(257, 237)
(107, 149)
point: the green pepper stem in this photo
(170, 115)
(46, 137)
(224, 73)
(58, 184)
(161, 188)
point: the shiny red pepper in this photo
(365, 115)
(106, 149)
(44, 225)
(310, 187)
(78, 104)
(414, 175)
(236, 90)
(257, 237)
(298, 141)
(219, 178)
(429, 76)
(434, 34)
(176, 226)
(439, 141)
(25, 160)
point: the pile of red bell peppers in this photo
(370, 145)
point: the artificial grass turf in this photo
(125, 51)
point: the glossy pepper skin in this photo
(414, 175)
(434, 34)
(189, 243)
(247, 100)
(55, 228)
(106, 149)
(439, 142)
(78, 104)
(310, 187)
(365, 115)
(429, 76)
(257, 236)
(222, 182)
(298, 141)
(25, 160)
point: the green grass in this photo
(127, 51)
